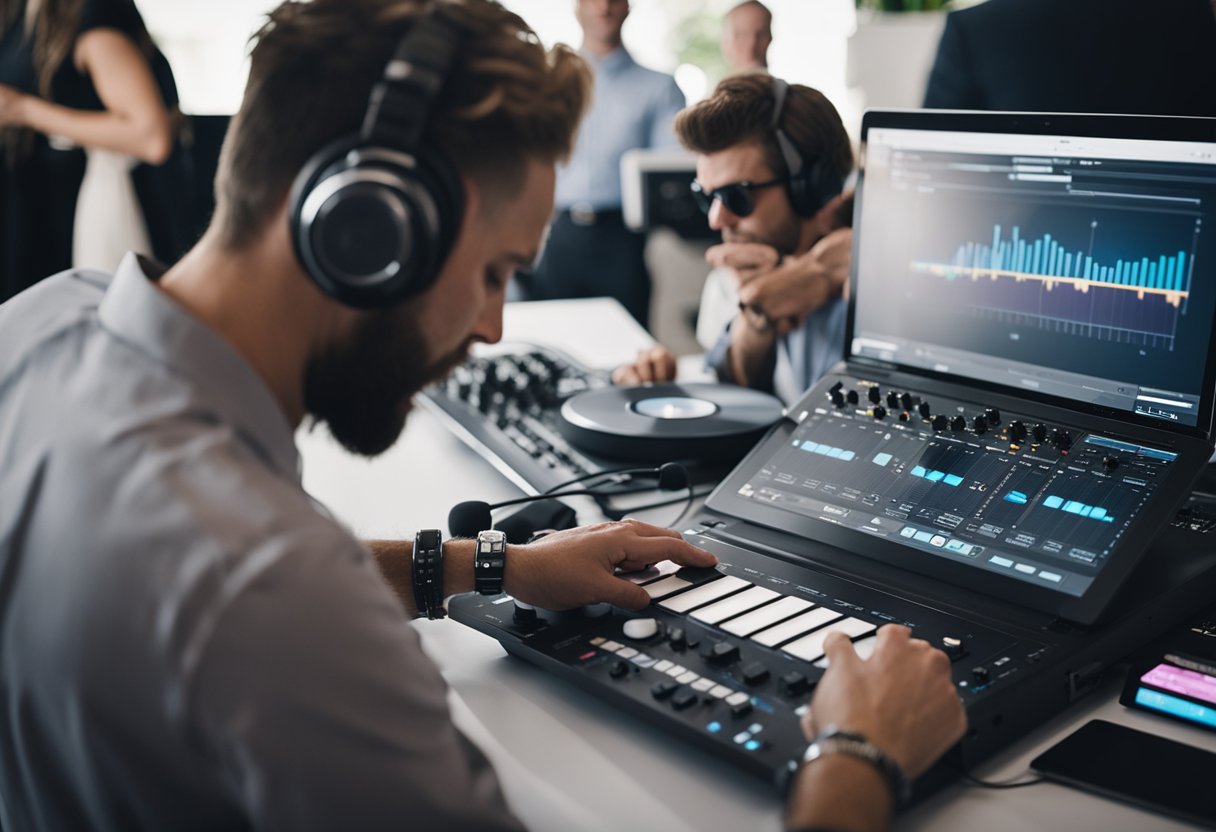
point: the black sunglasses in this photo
(737, 196)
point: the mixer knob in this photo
(1064, 440)
(993, 416)
(835, 387)
(924, 410)
(852, 397)
(892, 401)
(1017, 430)
(1110, 463)
(837, 398)
(874, 394)
(878, 411)
(1039, 432)
(940, 422)
(958, 423)
(903, 417)
(906, 401)
(980, 425)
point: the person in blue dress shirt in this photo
(590, 252)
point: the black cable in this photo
(594, 474)
(617, 515)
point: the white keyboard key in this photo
(611, 646)
(646, 576)
(598, 640)
(665, 587)
(702, 685)
(865, 647)
(688, 678)
(737, 698)
(734, 605)
(767, 616)
(676, 670)
(626, 652)
(810, 648)
(664, 665)
(703, 594)
(720, 691)
(796, 626)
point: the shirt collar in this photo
(136, 311)
(612, 63)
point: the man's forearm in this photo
(752, 356)
(840, 793)
(395, 559)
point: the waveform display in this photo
(1047, 260)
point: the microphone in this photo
(472, 516)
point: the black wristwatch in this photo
(427, 573)
(832, 740)
(489, 561)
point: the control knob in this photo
(1017, 430)
(1039, 432)
(874, 394)
(906, 401)
(878, 411)
(939, 422)
(892, 401)
(958, 423)
(993, 416)
(980, 425)
(924, 410)
(852, 397)
(1110, 463)
(837, 398)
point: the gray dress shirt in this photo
(187, 641)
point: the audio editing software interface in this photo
(1060, 265)
(1063, 265)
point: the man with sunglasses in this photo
(771, 163)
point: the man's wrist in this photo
(839, 792)
(833, 741)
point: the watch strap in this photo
(833, 740)
(427, 573)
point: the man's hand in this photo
(747, 260)
(902, 699)
(803, 283)
(575, 567)
(653, 365)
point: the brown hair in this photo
(505, 101)
(741, 109)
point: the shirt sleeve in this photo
(321, 710)
(669, 102)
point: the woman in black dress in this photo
(73, 74)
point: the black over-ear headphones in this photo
(810, 188)
(374, 214)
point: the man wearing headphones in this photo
(771, 163)
(186, 639)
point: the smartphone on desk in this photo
(1138, 768)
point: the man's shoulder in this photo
(46, 309)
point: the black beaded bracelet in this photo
(427, 574)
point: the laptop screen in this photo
(1029, 385)
(1072, 266)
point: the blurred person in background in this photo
(1083, 56)
(81, 78)
(590, 251)
(773, 310)
(747, 33)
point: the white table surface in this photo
(568, 760)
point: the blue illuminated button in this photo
(934, 476)
(882, 459)
(953, 479)
(713, 727)
(1053, 502)
(753, 745)
(918, 471)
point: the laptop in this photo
(1025, 400)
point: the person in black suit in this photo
(1092, 56)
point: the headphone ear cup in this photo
(372, 226)
(814, 189)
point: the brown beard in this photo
(363, 389)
